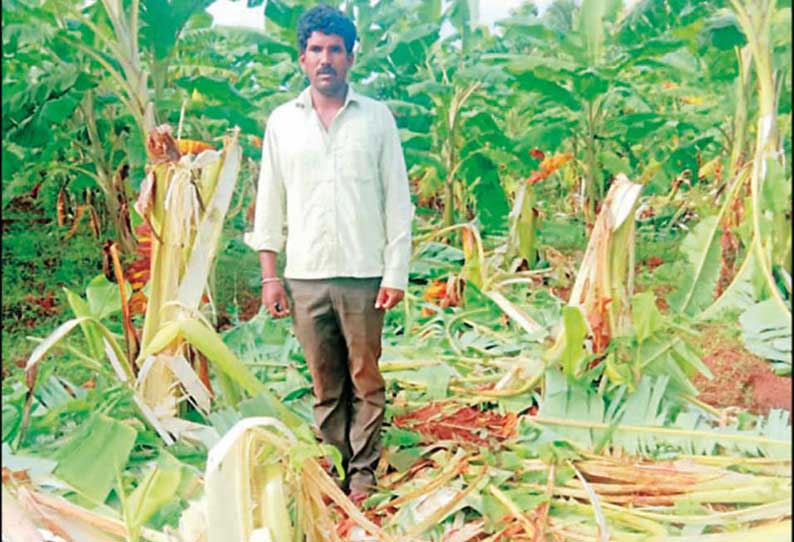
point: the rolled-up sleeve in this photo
(398, 209)
(268, 232)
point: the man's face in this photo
(326, 62)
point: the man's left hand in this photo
(388, 297)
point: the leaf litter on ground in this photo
(492, 432)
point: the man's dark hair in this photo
(328, 20)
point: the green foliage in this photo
(569, 350)
(37, 262)
(94, 457)
(648, 90)
(647, 422)
(163, 20)
(645, 316)
(160, 486)
(401, 438)
(702, 250)
(433, 260)
(567, 399)
(766, 330)
(102, 300)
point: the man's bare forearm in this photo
(267, 260)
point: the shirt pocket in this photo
(356, 160)
(304, 167)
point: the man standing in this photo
(333, 172)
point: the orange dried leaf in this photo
(467, 424)
(161, 146)
(548, 166)
(693, 100)
(468, 243)
(535, 177)
(192, 146)
(426, 311)
(436, 290)
(139, 271)
(81, 209)
(556, 161)
(653, 262)
(130, 334)
(598, 319)
(453, 293)
(137, 303)
(93, 220)
(61, 207)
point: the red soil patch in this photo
(248, 303)
(249, 306)
(741, 379)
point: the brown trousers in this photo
(337, 325)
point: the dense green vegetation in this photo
(555, 305)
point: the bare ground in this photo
(741, 379)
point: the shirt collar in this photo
(305, 97)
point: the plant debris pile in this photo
(602, 190)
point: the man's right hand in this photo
(274, 298)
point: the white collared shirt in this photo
(342, 193)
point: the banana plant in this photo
(580, 100)
(524, 220)
(755, 288)
(483, 270)
(609, 332)
(184, 200)
(641, 421)
(120, 55)
(141, 40)
(257, 473)
(465, 139)
(85, 155)
(599, 303)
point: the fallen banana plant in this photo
(262, 483)
(482, 271)
(605, 280)
(183, 200)
(29, 510)
(605, 324)
(641, 422)
(499, 496)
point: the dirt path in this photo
(741, 379)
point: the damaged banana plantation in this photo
(595, 341)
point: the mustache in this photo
(326, 70)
